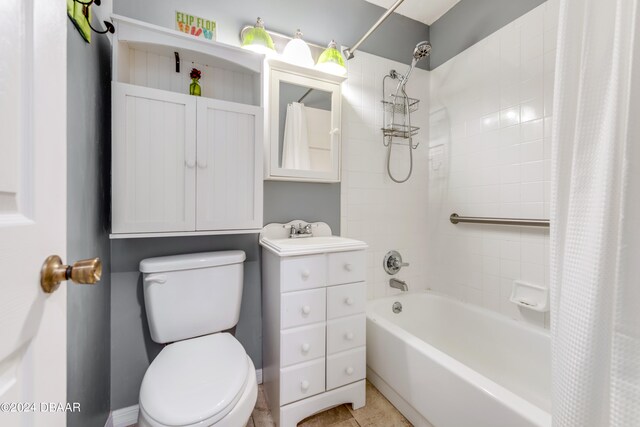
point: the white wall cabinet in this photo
(181, 164)
(154, 155)
(321, 96)
(229, 195)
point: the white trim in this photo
(109, 422)
(125, 417)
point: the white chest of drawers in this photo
(313, 305)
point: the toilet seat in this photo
(196, 381)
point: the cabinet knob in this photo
(306, 309)
(190, 164)
(349, 371)
(348, 336)
(304, 385)
(348, 301)
(348, 267)
(305, 348)
(305, 274)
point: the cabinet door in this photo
(229, 173)
(153, 172)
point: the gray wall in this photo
(470, 21)
(320, 21)
(88, 166)
(132, 349)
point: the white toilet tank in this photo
(192, 295)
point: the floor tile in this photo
(331, 417)
(378, 411)
(262, 418)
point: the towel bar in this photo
(455, 219)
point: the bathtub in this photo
(449, 364)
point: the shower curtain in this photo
(295, 148)
(595, 235)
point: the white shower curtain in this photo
(595, 235)
(295, 148)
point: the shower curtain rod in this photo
(348, 52)
(305, 95)
(455, 218)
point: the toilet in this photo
(202, 377)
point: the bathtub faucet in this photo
(398, 284)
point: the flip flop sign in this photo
(195, 25)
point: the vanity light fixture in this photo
(331, 60)
(258, 40)
(297, 51)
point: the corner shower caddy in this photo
(397, 111)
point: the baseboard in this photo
(125, 417)
(109, 422)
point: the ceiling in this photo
(426, 11)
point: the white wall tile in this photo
(378, 211)
(493, 105)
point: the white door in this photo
(32, 208)
(154, 157)
(229, 177)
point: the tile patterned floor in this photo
(378, 412)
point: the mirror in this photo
(304, 120)
(304, 137)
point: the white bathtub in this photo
(451, 364)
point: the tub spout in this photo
(399, 284)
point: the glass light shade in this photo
(298, 52)
(258, 40)
(331, 60)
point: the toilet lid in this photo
(195, 380)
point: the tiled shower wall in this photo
(374, 209)
(489, 150)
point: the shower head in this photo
(422, 50)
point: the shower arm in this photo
(348, 52)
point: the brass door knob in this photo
(86, 272)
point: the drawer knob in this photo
(348, 301)
(349, 371)
(305, 274)
(348, 267)
(304, 385)
(305, 348)
(348, 336)
(306, 309)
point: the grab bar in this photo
(455, 219)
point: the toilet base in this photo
(239, 415)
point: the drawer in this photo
(346, 300)
(347, 267)
(301, 381)
(346, 333)
(302, 308)
(303, 272)
(301, 344)
(345, 368)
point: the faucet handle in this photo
(397, 263)
(393, 262)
